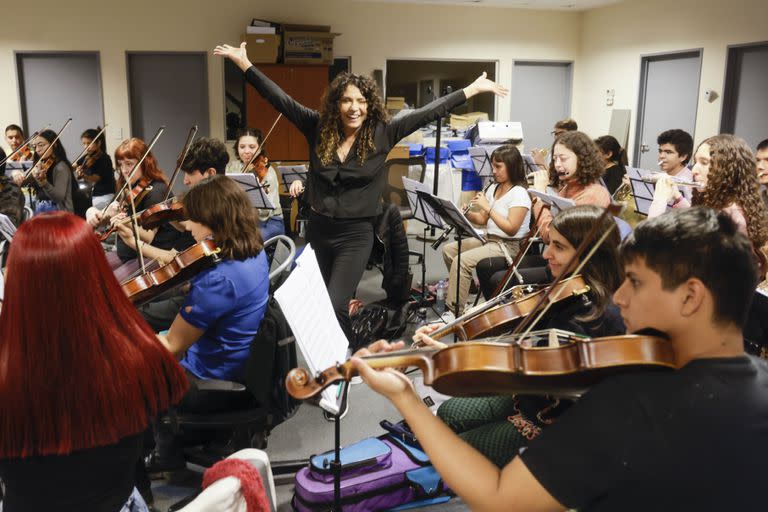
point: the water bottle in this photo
(440, 297)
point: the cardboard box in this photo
(462, 122)
(308, 47)
(262, 48)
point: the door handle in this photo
(644, 148)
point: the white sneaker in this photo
(447, 317)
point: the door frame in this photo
(17, 57)
(731, 83)
(645, 60)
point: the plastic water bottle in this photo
(440, 297)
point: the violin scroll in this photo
(301, 385)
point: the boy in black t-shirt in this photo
(691, 439)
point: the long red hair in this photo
(133, 148)
(79, 367)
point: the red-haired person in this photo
(77, 389)
(124, 260)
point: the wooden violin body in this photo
(503, 317)
(156, 215)
(183, 267)
(479, 368)
(136, 194)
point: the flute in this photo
(654, 178)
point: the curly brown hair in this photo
(732, 179)
(331, 128)
(589, 162)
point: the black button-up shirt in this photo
(349, 189)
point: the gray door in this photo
(540, 96)
(171, 90)
(57, 86)
(745, 102)
(669, 90)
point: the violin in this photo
(567, 369)
(87, 163)
(136, 194)
(160, 213)
(22, 155)
(182, 268)
(502, 317)
(41, 167)
(259, 166)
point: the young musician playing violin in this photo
(249, 142)
(14, 136)
(505, 211)
(498, 426)
(641, 441)
(53, 177)
(149, 186)
(205, 158)
(349, 139)
(215, 326)
(80, 382)
(95, 167)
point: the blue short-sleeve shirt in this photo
(228, 302)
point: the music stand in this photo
(482, 162)
(529, 165)
(423, 213)
(555, 202)
(291, 173)
(256, 192)
(642, 192)
(452, 216)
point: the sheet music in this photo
(291, 173)
(558, 203)
(256, 192)
(304, 299)
(450, 212)
(426, 215)
(642, 192)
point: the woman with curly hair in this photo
(724, 167)
(349, 139)
(575, 170)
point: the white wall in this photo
(371, 33)
(614, 38)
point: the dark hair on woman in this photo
(610, 146)
(331, 127)
(249, 132)
(91, 134)
(698, 243)
(57, 149)
(11, 200)
(205, 154)
(589, 163)
(681, 140)
(603, 271)
(732, 180)
(15, 128)
(219, 203)
(510, 156)
(93, 372)
(132, 149)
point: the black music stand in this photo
(256, 192)
(452, 216)
(481, 162)
(291, 173)
(423, 213)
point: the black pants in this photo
(491, 271)
(342, 247)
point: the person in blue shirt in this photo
(212, 332)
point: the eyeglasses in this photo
(39, 145)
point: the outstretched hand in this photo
(482, 84)
(236, 54)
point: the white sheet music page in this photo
(306, 305)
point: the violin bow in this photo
(261, 143)
(512, 271)
(93, 141)
(45, 153)
(540, 308)
(24, 144)
(180, 161)
(134, 223)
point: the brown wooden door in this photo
(306, 85)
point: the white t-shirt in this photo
(516, 197)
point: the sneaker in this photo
(447, 317)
